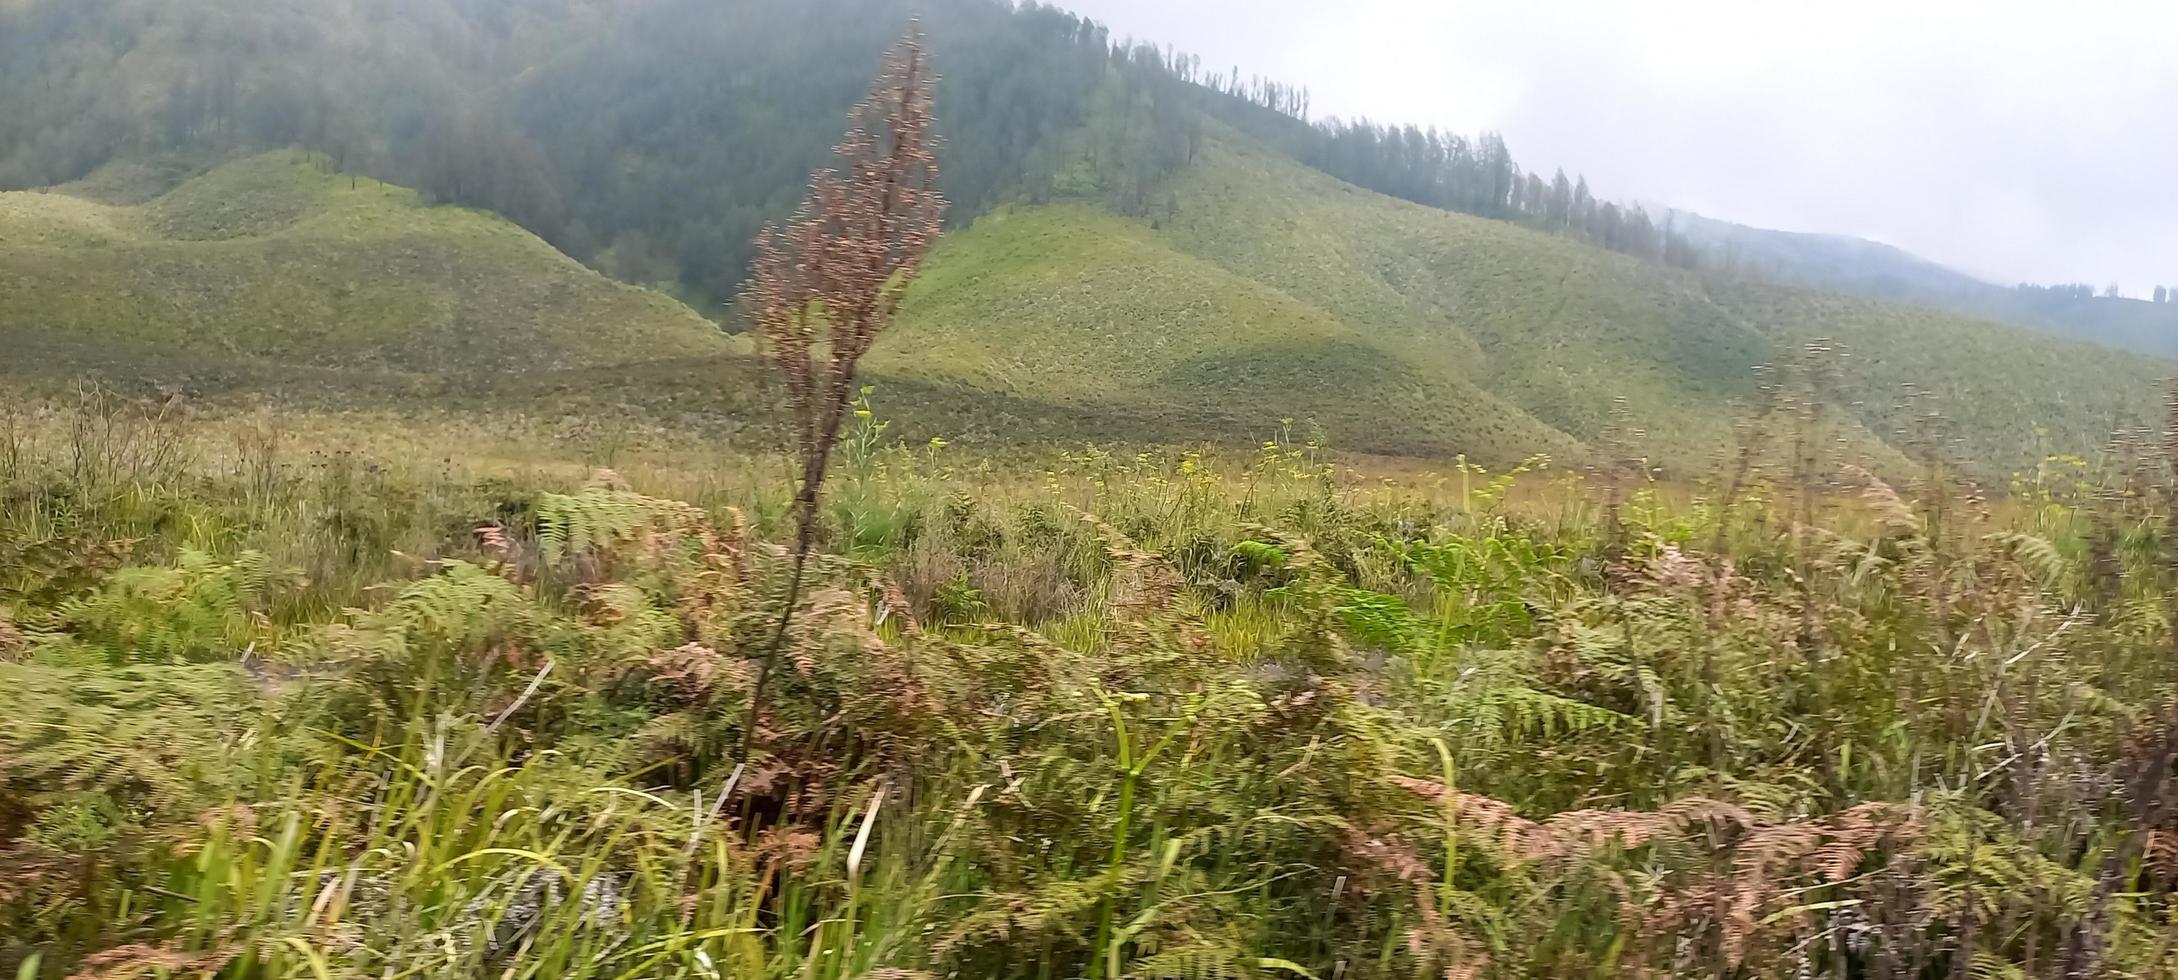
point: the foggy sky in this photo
(2007, 140)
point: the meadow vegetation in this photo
(279, 708)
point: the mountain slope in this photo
(1084, 311)
(651, 138)
(1994, 394)
(1261, 291)
(2131, 324)
(267, 264)
(1269, 290)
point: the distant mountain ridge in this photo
(1860, 267)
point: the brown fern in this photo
(1764, 860)
(12, 640)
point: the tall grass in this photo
(1158, 715)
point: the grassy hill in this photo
(1266, 290)
(1260, 291)
(268, 265)
(1086, 312)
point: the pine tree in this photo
(1641, 236)
(1584, 210)
(1499, 173)
(1561, 201)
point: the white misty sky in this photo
(2010, 140)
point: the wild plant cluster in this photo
(280, 713)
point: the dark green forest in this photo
(654, 139)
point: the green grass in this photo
(268, 264)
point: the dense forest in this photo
(654, 139)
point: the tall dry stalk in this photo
(831, 280)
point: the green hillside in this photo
(1266, 290)
(268, 264)
(1261, 291)
(1085, 312)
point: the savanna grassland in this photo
(401, 610)
(292, 701)
(1250, 547)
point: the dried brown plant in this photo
(141, 959)
(12, 640)
(1890, 509)
(829, 282)
(1144, 582)
(693, 671)
(1760, 861)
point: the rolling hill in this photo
(1269, 290)
(1261, 291)
(269, 268)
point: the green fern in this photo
(199, 609)
(1380, 620)
(593, 520)
(1516, 714)
(128, 747)
(463, 607)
